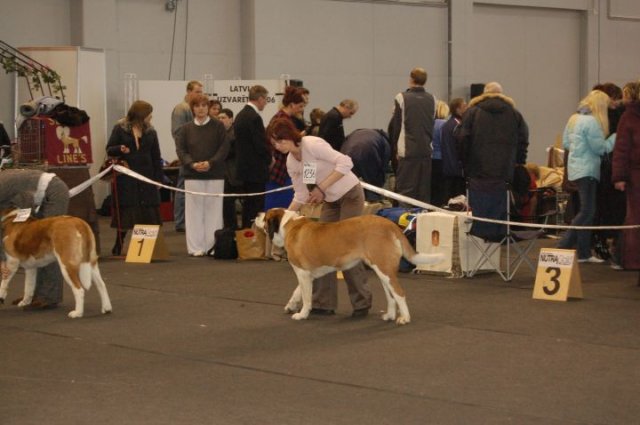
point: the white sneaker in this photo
(197, 254)
(615, 266)
(591, 259)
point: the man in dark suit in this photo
(252, 153)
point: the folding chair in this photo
(493, 200)
(541, 206)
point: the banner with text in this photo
(234, 94)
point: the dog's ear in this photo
(273, 225)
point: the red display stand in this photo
(42, 140)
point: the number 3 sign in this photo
(558, 276)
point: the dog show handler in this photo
(48, 196)
(323, 175)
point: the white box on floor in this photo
(438, 232)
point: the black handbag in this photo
(224, 248)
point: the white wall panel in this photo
(535, 55)
(359, 50)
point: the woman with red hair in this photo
(293, 103)
(323, 175)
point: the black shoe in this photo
(39, 304)
(361, 312)
(322, 312)
(180, 229)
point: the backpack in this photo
(224, 247)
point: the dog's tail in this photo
(417, 258)
(85, 273)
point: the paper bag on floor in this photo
(251, 244)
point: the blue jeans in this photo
(581, 239)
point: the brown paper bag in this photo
(251, 244)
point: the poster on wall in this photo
(234, 94)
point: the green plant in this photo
(36, 77)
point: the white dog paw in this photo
(74, 314)
(106, 310)
(299, 316)
(402, 320)
(388, 317)
(23, 303)
(289, 309)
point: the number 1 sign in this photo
(146, 244)
(558, 275)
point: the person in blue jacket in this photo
(587, 138)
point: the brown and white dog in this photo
(315, 249)
(38, 242)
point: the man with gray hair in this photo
(253, 157)
(492, 138)
(411, 134)
(331, 127)
(492, 87)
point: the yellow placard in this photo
(558, 275)
(147, 243)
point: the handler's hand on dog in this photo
(315, 196)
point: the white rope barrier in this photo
(128, 172)
(82, 186)
(386, 193)
(466, 216)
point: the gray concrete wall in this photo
(33, 23)
(349, 49)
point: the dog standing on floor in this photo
(35, 243)
(315, 249)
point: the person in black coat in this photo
(453, 176)
(4, 137)
(5, 145)
(134, 140)
(331, 126)
(253, 157)
(493, 138)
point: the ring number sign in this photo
(558, 275)
(146, 244)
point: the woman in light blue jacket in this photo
(585, 136)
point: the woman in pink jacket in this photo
(321, 174)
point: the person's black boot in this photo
(117, 246)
